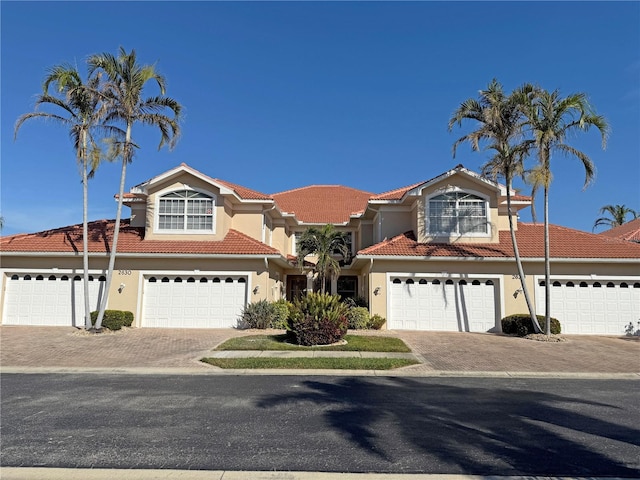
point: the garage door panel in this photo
(51, 300)
(591, 307)
(441, 304)
(206, 302)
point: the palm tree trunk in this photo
(116, 230)
(516, 253)
(85, 235)
(547, 265)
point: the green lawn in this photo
(311, 363)
(355, 343)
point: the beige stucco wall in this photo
(394, 221)
(248, 220)
(366, 235)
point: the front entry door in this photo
(296, 286)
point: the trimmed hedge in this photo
(358, 318)
(114, 319)
(520, 324)
(376, 322)
(257, 315)
(281, 314)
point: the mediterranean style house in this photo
(435, 255)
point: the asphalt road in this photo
(484, 426)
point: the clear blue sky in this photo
(279, 95)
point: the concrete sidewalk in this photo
(137, 350)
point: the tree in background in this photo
(550, 119)
(78, 104)
(499, 121)
(324, 243)
(618, 216)
(124, 104)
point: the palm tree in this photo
(500, 125)
(79, 103)
(618, 216)
(324, 243)
(550, 119)
(124, 104)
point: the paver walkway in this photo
(440, 351)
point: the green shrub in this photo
(260, 314)
(376, 322)
(317, 319)
(358, 318)
(520, 324)
(114, 319)
(281, 313)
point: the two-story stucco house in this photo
(436, 255)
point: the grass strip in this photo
(355, 343)
(314, 363)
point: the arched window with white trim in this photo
(186, 211)
(457, 213)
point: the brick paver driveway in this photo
(134, 347)
(481, 352)
(441, 351)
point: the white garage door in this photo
(54, 300)
(193, 302)
(592, 307)
(442, 304)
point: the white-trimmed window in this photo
(457, 213)
(186, 210)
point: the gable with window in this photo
(186, 211)
(457, 213)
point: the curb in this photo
(29, 473)
(214, 371)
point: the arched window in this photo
(186, 210)
(457, 213)
(409, 281)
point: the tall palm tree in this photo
(79, 105)
(499, 122)
(618, 215)
(124, 104)
(550, 119)
(324, 243)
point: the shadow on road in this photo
(480, 430)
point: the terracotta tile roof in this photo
(564, 243)
(396, 194)
(629, 231)
(130, 240)
(244, 192)
(323, 203)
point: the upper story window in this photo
(186, 210)
(457, 213)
